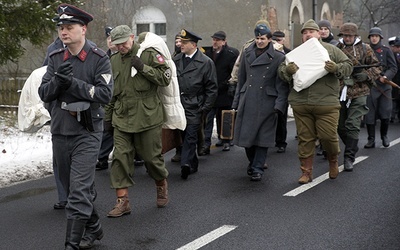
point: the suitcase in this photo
(171, 138)
(227, 124)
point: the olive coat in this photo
(260, 94)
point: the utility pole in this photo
(314, 8)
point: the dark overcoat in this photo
(197, 85)
(259, 95)
(224, 62)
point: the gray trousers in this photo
(76, 157)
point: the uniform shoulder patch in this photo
(160, 58)
(99, 52)
(168, 73)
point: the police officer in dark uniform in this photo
(78, 80)
(197, 80)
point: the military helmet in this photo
(375, 31)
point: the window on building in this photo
(160, 28)
(150, 19)
(142, 27)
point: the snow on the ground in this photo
(23, 156)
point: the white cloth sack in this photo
(174, 114)
(32, 114)
(310, 57)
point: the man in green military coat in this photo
(136, 115)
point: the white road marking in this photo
(319, 179)
(207, 238)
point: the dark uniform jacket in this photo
(389, 66)
(224, 62)
(260, 94)
(92, 83)
(197, 84)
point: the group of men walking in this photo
(84, 86)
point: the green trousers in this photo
(126, 145)
(350, 118)
(316, 122)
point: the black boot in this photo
(371, 136)
(75, 229)
(93, 231)
(350, 151)
(384, 130)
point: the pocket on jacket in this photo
(141, 84)
(271, 91)
(119, 108)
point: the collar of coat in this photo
(81, 55)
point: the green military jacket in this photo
(324, 91)
(135, 106)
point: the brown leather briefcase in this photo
(227, 124)
(171, 138)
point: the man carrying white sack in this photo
(316, 108)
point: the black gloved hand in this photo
(231, 90)
(360, 77)
(137, 63)
(65, 68)
(64, 75)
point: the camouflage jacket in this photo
(360, 54)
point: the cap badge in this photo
(65, 16)
(183, 33)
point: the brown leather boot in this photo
(121, 208)
(306, 168)
(162, 193)
(333, 166)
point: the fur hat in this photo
(309, 25)
(350, 29)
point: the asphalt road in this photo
(220, 208)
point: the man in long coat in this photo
(260, 94)
(197, 80)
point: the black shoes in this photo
(60, 205)
(348, 165)
(204, 151)
(89, 238)
(256, 177)
(385, 141)
(102, 165)
(249, 170)
(281, 150)
(185, 171)
(219, 143)
(226, 147)
(138, 163)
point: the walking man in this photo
(354, 90)
(197, 80)
(78, 81)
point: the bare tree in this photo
(370, 13)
